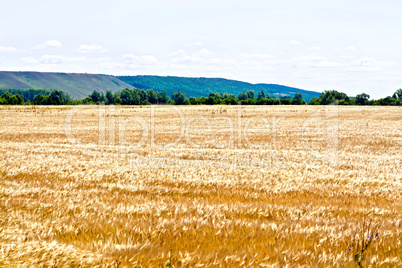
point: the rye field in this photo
(200, 186)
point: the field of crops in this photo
(199, 186)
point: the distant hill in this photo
(77, 85)
(198, 87)
(80, 85)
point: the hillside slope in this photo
(198, 87)
(76, 84)
(80, 85)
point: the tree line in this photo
(148, 97)
(339, 98)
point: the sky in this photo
(352, 46)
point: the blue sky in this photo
(353, 46)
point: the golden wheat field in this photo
(199, 186)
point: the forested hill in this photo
(80, 85)
(197, 87)
(77, 85)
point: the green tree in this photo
(249, 102)
(387, 101)
(8, 98)
(126, 97)
(152, 96)
(102, 98)
(315, 101)
(211, 100)
(333, 96)
(96, 96)
(179, 98)
(163, 97)
(118, 100)
(41, 100)
(142, 95)
(58, 97)
(193, 101)
(14, 99)
(261, 95)
(250, 94)
(87, 100)
(242, 96)
(298, 99)
(202, 100)
(286, 101)
(130, 96)
(231, 99)
(362, 99)
(110, 99)
(398, 94)
(27, 94)
(19, 98)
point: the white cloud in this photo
(350, 48)
(315, 48)
(50, 59)
(129, 62)
(177, 53)
(366, 61)
(328, 64)
(7, 49)
(258, 62)
(49, 43)
(255, 66)
(195, 44)
(365, 64)
(314, 61)
(256, 55)
(91, 49)
(54, 68)
(275, 62)
(181, 56)
(186, 59)
(294, 42)
(140, 60)
(204, 53)
(110, 65)
(28, 60)
(310, 58)
(212, 62)
(369, 64)
(221, 62)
